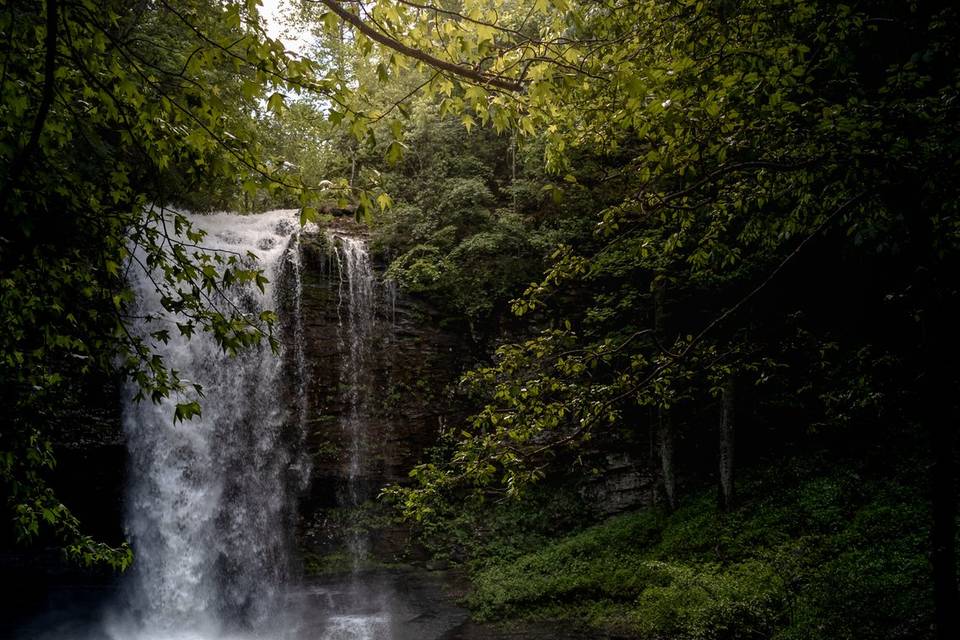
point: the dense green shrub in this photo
(815, 557)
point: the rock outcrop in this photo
(413, 358)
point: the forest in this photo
(689, 267)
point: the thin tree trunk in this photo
(727, 426)
(513, 171)
(665, 440)
(934, 286)
(653, 455)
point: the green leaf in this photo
(186, 411)
(395, 152)
(308, 214)
(275, 103)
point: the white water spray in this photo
(211, 501)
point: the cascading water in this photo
(356, 311)
(356, 292)
(211, 501)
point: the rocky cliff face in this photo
(412, 359)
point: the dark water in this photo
(400, 605)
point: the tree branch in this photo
(451, 67)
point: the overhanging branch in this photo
(444, 65)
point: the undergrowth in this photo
(803, 557)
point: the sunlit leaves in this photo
(275, 102)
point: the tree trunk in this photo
(22, 157)
(727, 425)
(664, 419)
(665, 442)
(653, 455)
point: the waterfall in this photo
(211, 503)
(358, 304)
(210, 507)
(356, 292)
